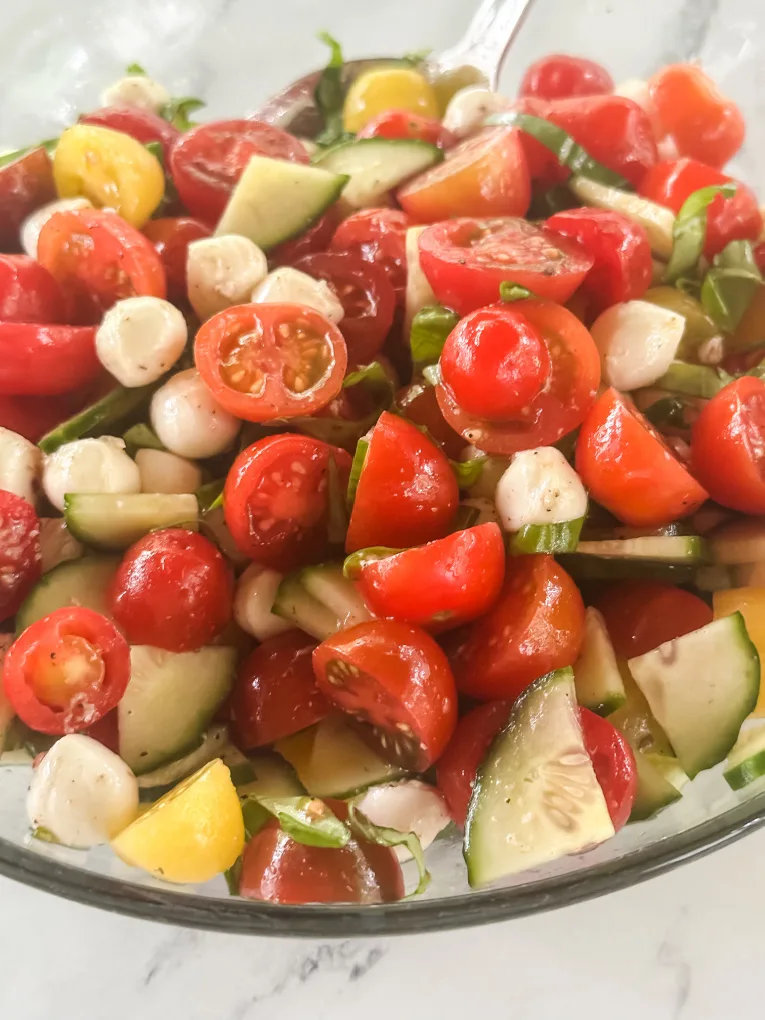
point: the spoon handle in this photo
(487, 38)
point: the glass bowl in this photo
(54, 60)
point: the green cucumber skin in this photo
(612, 704)
(547, 538)
(585, 567)
(747, 772)
(110, 409)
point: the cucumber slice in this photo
(274, 200)
(701, 687)
(536, 797)
(327, 584)
(377, 165)
(599, 684)
(169, 702)
(110, 521)
(636, 721)
(746, 761)
(599, 568)
(158, 780)
(293, 603)
(104, 414)
(660, 782)
(272, 777)
(657, 221)
(665, 548)
(82, 582)
(739, 542)
(547, 538)
(693, 380)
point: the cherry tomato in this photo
(704, 124)
(613, 763)
(418, 404)
(641, 615)
(379, 236)
(407, 493)
(207, 162)
(106, 731)
(395, 681)
(562, 404)
(26, 184)
(64, 358)
(466, 260)
(143, 125)
(19, 552)
(171, 237)
(66, 670)
(263, 362)
(629, 469)
(544, 169)
(458, 765)
(32, 417)
(403, 124)
(485, 175)
(366, 294)
(560, 76)
(622, 265)
(537, 626)
(173, 590)
(28, 293)
(728, 219)
(276, 499)
(315, 239)
(99, 259)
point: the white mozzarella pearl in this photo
(140, 338)
(89, 465)
(188, 420)
(223, 271)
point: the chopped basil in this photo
(509, 291)
(210, 495)
(547, 538)
(255, 816)
(329, 94)
(177, 111)
(690, 230)
(359, 459)
(44, 835)
(668, 412)
(346, 432)
(141, 437)
(171, 194)
(308, 820)
(465, 517)
(467, 472)
(731, 284)
(392, 838)
(136, 70)
(416, 57)
(430, 328)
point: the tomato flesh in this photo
(613, 763)
(28, 292)
(171, 237)
(64, 358)
(26, 184)
(641, 615)
(378, 236)
(560, 76)
(403, 124)
(418, 404)
(19, 552)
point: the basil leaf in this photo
(171, 194)
(44, 835)
(255, 816)
(233, 877)
(430, 328)
(372, 375)
(376, 393)
(390, 837)
(549, 202)
(337, 515)
(308, 821)
(416, 57)
(467, 472)
(509, 291)
(352, 564)
(329, 94)
(669, 412)
(730, 284)
(136, 70)
(210, 495)
(690, 229)
(359, 459)
(177, 111)
(10, 157)
(141, 437)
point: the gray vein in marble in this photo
(670, 956)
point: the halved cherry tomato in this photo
(407, 493)
(264, 361)
(629, 469)
(379, 236)
(486, 175)
(465, 261)
(25, 185)
(613, 763)
(395, 681)
(66, 670)
(99, 259)
(704, 124)
(106, 731)
(315, 239)
(418, 404)
(275, 694)
(171, 237)
(207, 162)
(172, 590)
(560, 76)
(559, 408)
(366, 294)
(19, 552)
(544, 169)
(276, 499)
(64, 358)
(537, 626)
(28, 293)
(403, 124)
(143, 125)
(641, 615)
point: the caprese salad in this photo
(402, 477)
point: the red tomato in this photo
(143, 125)
(25, 185)
(440, 585)
(728, 219)
(544, 169)
(629, 469)
(559, 408)
(315, 239)
(728, 446)
(64, 358)
(263, 362)
(366, 294)
(106, 731)
(418, 404)
(560, 76)
(403, 124)
(407, 493)
(32, 417)
(457, 767)
(379, 236)
(537, 626)
(704, 124)
(641, 615)
(173, 590)
(19, 552)
(621, 254)
(207, 162)
(99, 259)
(613, 763)
(466, 260)
(759, 257)
(66, 670)
(28, 293)
(275, 694)
(171, 238)
(395, 681)
(486, 175)
(276, 499)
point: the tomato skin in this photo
(85, 707)
(458, 765)
(560, 76)
(28, 293)
(32, 417)
(25, 185)
(403, 124)
(407, 493)
(396, 682)
(173, 590)
(418, 404)
(315, 239)
(171, 237)
(64, 358)
(19, 552)
(536, 626)
(378, 236)
(143, 125)
(641, 615)
(106, 731)
(629, 469)
(613, 763)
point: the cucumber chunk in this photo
(746, 761)
(158, 780)
(271, 777)
(663, 548)
(660, 782)
(693, 380)
(110, 521)
(636, 721)
(320, 601)
(536, 797)
(739, 542)
(103, 415)
(584, 567)
(377, 165)
(599, 684)
(657, 221)
(82, 582)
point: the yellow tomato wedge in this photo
(750, 602)
(193, 833)
(110, 169)
(388, 88)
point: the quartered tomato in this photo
(276, 499)
(395, 681)
(28, 293)
(66, 671)
(418, 404)
(560, 76)
(379, 236)
(207, 162)
(171, 237)
(486, 175)
(466, 260)
(403, 124)
(26, 184)
(99, 259)
(19, 552)
(268, 361)
(143, 125)
(641, 615)
(536, 626)
(64, 358)
(407, 493)
(629, 469)
(613, 763)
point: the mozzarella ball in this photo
(223, 271)
(20, 465)
(539, 487)
(57, 544)
(140, 338)
(637, 341)
(166, 472)
(82, 793)
(469, 108)
(89, 465)
(188, 420)
(291, 287)
(137, 90)
(410, 806)
(255, 594)
(33, 224)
